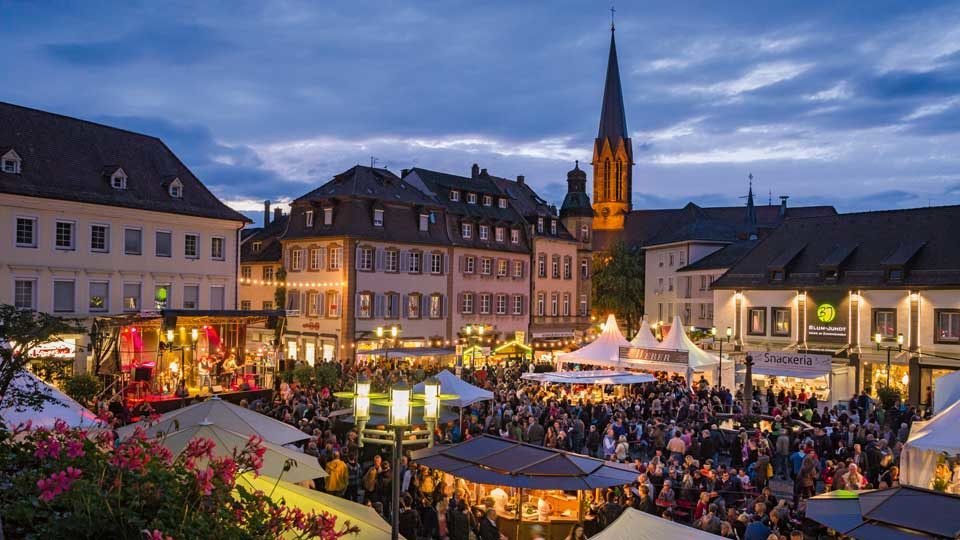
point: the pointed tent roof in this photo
(613, 118)
(645, 338)
(636, 525)
(603, 351)
(946, 391)
(451, 384)
(59, 407)
(677, 340)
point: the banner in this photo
(827, 316)
(777, 362)
(654, 355)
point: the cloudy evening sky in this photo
(849, 103)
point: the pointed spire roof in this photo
(613, 118)
(751, 209)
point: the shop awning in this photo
(896, 513)
(600, 376)
(783, 372)
(501, 462)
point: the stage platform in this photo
(163, 403)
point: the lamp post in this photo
(399, 420)
(879, 339)
(431, 405)
(394, 332)
(713, 331)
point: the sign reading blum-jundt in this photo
(827, 316)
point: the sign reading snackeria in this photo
(654, 355)
(827, 316)
(773, 362)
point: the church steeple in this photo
(612, 151)
(751, 209)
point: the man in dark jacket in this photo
(458, 522)
(488, 526)
(409, 518)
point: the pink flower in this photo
(200, 447)
(155, 535)
(75, 449)
(57, 483)
(205, 481)
(105, 438)
(47, 448)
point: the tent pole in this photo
(519, 512)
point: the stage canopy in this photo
(501, 462)
(223, 414)
(603, 351)
(451, 384)
(946, 391)
(636, 525)
(896, 513)
(59, 407)
(645, 338)
(918, 459)
(602, 376)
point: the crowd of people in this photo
(694, 464)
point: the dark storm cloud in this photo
(165, 42)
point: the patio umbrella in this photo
(838, 510)
(371, 525)
(302, 466)
(223, 414)
(59, 406)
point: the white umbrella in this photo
(225, 415)
(59, 406)
(303, 466)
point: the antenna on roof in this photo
(373, 162)
(770, 197)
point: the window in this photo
(484, 232)
(217, 296)
(500, 233)
(567, 268)
(669, 284)
(659, 285)
(781, 320)
(436, 263)
(164, 243)
(63, 297)
(583, 306)
(895, 274)
(671, 259)
(758, 322)
(555, 266)
(566, 305)
(584, 268)
(245, 305)
(466, 230)
(514, 236)
(336, 258)
(502, 202)
(131, 296)
(391, 306)
(502, 268)
(391, 261)
(471, 198)
(948, 326)
(777, 275)
(118, 180)
(64, 235)
(268, 273)
(518, 304)
(328, 216)
(518, 269)
(191, 297)
(176, 189)
(296, 259)
(365, 262)
(541, 304)
(216, 248)
(314, 304)
(10, 163)
(132, 241)
(415, 262)
(540, 225)
(885, 323)
(424, 222)
(584, 233)
(488, 200)
(266, 305)
(467, 304)
(365, 305)
(414, 301)
(316, 259)
(553, 227)
(378, 217)
(99, 297)
(469, 264)
(257, 246)
(501, 306)
(454, 195)
(191, 246)
(542, 265)
(703, 283)
(100, 238)
(436, 306)
(26, 232)
(333, 304)
(486, 266)
(246, 272)
(554, 304)
(25, 294)
(309, 218)
(485, 303)
(293, 302)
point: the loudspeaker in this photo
(245, 387)
(142, 373)
(216, 389)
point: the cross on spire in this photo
(613, 12)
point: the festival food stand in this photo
(589, 384)
(527, 485)
(931, 456)
(797, 372)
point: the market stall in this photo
(59, 406)
(931, 455)
(513, 351)
(645, 337)
(797, 373)
(526, 485)
(589, 384)
(416, 357)
(603, 351)
(677, 353)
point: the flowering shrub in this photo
(68, 483)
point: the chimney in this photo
(277, 213)
(266, 213)
(404, 172)
(783, 205)
(520, 179)
(483, 172)
(474, 171)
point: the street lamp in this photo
(394, 331)
(399, 419)
(713, 331)
(879, 339)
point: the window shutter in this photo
(356, 260)
(424, 306)
(459, 306)
(443, 305)
(378, 305)
(460, 267)
(402, 311)
(378, 255)
(403, 262)
(446, 264)
(356, 305)
(323, 258)
(321, 304)
(523, 305)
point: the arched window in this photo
(619, 193)
(606, 180)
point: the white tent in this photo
(918, 460)
(645, 338)
(602, 376)
(303, 466)
(603, 351)
(636, 525)
(677, 340)
(223, 414)
(451, 384)
(59, 407)
(946, 391)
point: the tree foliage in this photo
(618, 285)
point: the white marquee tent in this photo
(603, 351)
(451, 384)
(946, 391)
(636, 525)
(59, 407)
(918, 460)
(698, 361)
(602, 376)
(645, 338)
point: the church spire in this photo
(751, 209)
(613, 118)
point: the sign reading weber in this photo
(773, 363)
(659, 356)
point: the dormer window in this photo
(488, 200)
(895, 274)
(777, 275)
(540, 225)
(10, 162)
(328, 216)
(257, 246)
(831, 274)
(514, 236)
(466, 230)
(424, 222)
(378, 217)
(309, 218)
(118, 180)
(454, 195)
(175, 189)
(484, 232)
(471, 198)
(502, 202)
(553, 227)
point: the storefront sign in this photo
(654, 355)
(827, 316)
(66, 348)
(770, 362)
(311, 325)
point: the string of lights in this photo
(289, 283)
